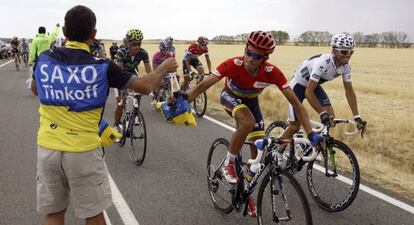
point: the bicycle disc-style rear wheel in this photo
(138, 137)
(200, 104)
(219, 189)
(330, 191)
(281, 200)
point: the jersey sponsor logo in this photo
(79, 87)
(316, 76)
(238, 62)
(259, 84)
(216, 73)
(268, 69)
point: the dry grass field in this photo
(383, 80)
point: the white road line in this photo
(362, 187)
(6, 63)
(123, 209)
(107, 220)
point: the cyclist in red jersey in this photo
(191, 59)
(246, 77)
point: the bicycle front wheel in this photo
(200, 104)
(219, 189)
(336, 188)
(281, 200)
(138, 137)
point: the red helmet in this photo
(202, 40)
(261, 41)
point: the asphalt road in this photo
(169, 188)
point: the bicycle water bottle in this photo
(252, 171)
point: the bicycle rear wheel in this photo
(337, 190)
(281, 200)
(138, 137)
(219, 189)
(200, 104)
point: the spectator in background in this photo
(113, 50)
(42, 42)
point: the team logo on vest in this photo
(77, 86)
(259, 84)
(238, 62)
(268, 69)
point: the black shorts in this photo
(232, 103)
(299, 91)
(194, 62)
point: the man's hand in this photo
(325, 118)
(169, 65)
(360, 124)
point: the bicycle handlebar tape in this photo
(262, 143)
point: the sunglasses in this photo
(134, 43)
(255, 56)
(345, 51)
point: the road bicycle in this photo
(280, 198)
(327, 166)
(133, 127)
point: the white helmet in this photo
(342, 41)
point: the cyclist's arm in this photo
(202, 87)
(311, 97)
(299, 109)
(146, 84)
(351, 98)
(53, 36)
(154, 66)
(187, 64)
(147, 66)
(208, 63)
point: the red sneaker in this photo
(230, 174)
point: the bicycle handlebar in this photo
(319, 126)
(261, 144)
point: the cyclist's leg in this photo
(200, 71)
(120, 102)
(245, 123)
(186, 75)
(294, 124)
(324, 101)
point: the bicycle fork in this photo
(329, 159)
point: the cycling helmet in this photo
(134, 35)
(169, 40)
(164, 45)
(261, 41)
(202, 40)
(342, 41)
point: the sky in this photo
(188, 19)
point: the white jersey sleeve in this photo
(318, 69)
(346, 74)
